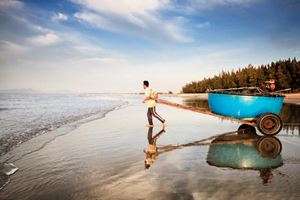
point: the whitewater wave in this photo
(6, 170)
(37, 114)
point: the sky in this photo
(113, 45)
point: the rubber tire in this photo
(246, 129)
(269, 147)
(267, 118)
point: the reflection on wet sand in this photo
(247, 151)
(152, 150)
(242, 149)
(290, 114)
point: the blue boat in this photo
(236, 104)
(249, 103)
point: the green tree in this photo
(286, 73)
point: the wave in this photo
(10, 141)
(6, 170)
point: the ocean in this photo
(24, 116)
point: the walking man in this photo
(150, 100)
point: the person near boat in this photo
(270, 85)
(150, 99)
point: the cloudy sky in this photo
(113, 45)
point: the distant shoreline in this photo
(293, 98)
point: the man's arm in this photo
(148, 96)
(146, 99)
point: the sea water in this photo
(24, 116)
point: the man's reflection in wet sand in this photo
(152, 150)
(266, 175)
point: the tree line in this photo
(286, 74)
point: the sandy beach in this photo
(292, 98)
(104, 159)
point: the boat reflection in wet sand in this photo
(246, 150)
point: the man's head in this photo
(147, 165)
(146, 84)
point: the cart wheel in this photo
(269, 124)
(269, 147)
(246, 129)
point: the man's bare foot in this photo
(149, 125)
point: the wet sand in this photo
(292, 98)
(104, 159)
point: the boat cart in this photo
(267, 123)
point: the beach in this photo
(104, 159)
(81, 80)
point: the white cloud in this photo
(59, 17)
(100, 61)
(11, 47)
(133, 17)
(40, 28)
(203, 25)
(222, 2)
(145, 18)
(88, 48)
(96, 20)
(45, 40)
(4, 4)
(194, 5)
(176, 33)
(125, 8)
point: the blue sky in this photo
(113, 45)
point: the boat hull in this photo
(244, 106)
